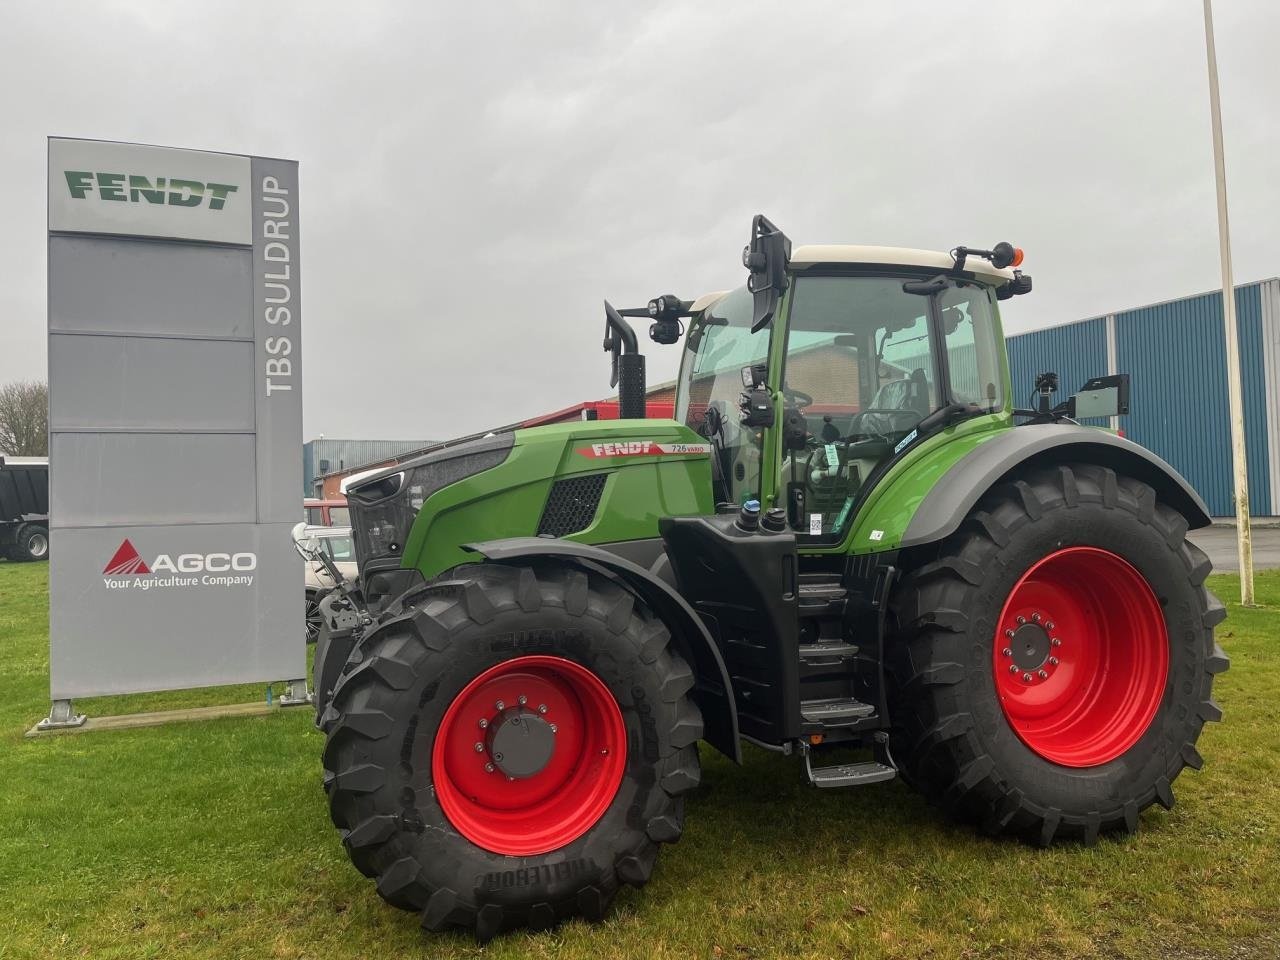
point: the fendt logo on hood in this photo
(642, 448)
(126, 569)
(130, 188)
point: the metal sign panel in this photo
(139, 191)
(175, 419)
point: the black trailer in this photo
(24, 508)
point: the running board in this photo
(815, 654)
(847, 774)
(835, 712)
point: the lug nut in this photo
(511, 779)
(522, 699)
(1007, 652)
(483, 723)
(500, 705)
(1053, 661)
(479, 748)
(1048, 625)
(488, 768)
(1021, 621)
(1043, 675)
(1026, 677)
(1013, 668)
(1056, 642)
(1035, 617)
(542, 708)
(554, 728)
(1009, 634)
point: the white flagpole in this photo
(1239, 457)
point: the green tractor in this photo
(846, 538)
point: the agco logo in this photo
(213, 569)
(130, 188)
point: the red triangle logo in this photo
(125, 562)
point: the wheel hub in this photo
(529, 755)
(1081, 656)
(1030, 645)
(521, 742)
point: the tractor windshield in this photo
(720, 343)
(866, 363)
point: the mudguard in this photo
(713, 690)
(951, 499)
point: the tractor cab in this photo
(866, 352)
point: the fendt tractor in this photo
(848, 537)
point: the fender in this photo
(713, 690)
(949, 502)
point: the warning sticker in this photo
(643, 448)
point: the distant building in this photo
(1175, 353)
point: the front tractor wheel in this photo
(511, 748)
(1055, 658)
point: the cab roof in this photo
(818, 254)
(824, 254)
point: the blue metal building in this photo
(323, 456)
(1175, 353)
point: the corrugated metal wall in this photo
(1175, 353)
(1075, 351)
(342, 454)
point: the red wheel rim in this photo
(529, 755)
(1081, 657)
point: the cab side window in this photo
(973, 358)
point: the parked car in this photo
(325, 513)
(336, 544)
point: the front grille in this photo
(572, 505)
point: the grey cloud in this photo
(476, 179)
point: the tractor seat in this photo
(909, 394)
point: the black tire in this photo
(312, 619)
(952, 738)
(31, 544)
(386, 709)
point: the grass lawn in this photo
(213, 840)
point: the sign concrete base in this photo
(131, 721)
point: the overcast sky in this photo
(477, 178)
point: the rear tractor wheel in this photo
(1055, 659)
(511, 748)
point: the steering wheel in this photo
(884, 421)
(797, 397)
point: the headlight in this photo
(384, 507)
(382, 513)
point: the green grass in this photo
(212, 840)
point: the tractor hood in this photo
(599, 481)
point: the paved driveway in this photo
(1220, 543)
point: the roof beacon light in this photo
(1002, 255)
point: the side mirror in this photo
(300, 539)
(766, 257)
